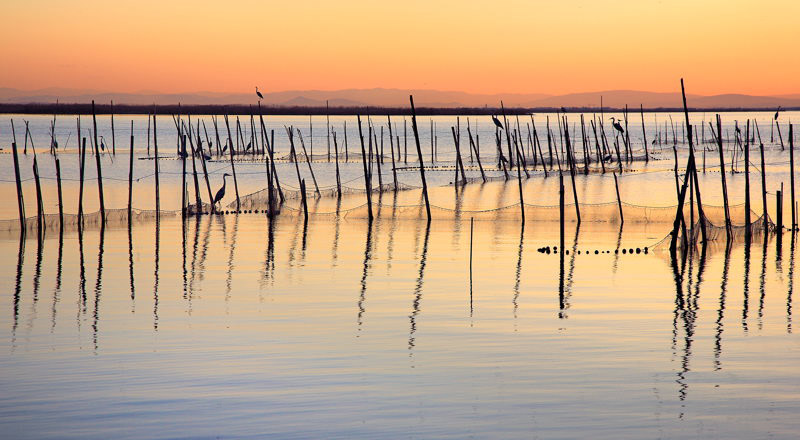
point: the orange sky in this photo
(476, 46)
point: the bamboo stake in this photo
(308, 160)
(205, 171)
(619, 200)
(82, 172)
(763, 180)
(233, 166)
(391, 145)
(747, 184)
(478, 156)
(155, 164)
(39, 203)
(419, 153)
(113, 135)
(644, 135)
(367, 183)
(791, 176)
(338, 178)
(130, 176)
(519, 178)
(17, 178)
(728, 227)
(99, 169)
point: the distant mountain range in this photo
(380, 97)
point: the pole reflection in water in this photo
(18, 286)
(418, 289)
(746, 285)
(364, 272)
(518, 272)
(59, 273)
(156, 257)
(721, 310)
(790, 283)
(98, 286)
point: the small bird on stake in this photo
(776, 112)
(260, 96)
(617, 125)
(221, 193)
(497, 122)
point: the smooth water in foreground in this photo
(238, 328)
(235, 326)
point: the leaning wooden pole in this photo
(60, 197)
(644, 135)
(20, 196)
(765, 212)
(747, 231)
(619, 200)
(728, 227)
(367, 179)
(99, 168)
(419, 154)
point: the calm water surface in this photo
(237, 327)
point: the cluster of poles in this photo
(595, 148)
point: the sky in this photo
(551, 47)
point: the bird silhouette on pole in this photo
(260, 96)
(776, 112)
(497, 122)
(221, 193)
(617, 125)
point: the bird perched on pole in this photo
(497, 122)
(776, 112)
(617, 125)
(260, 96)
(221, 193)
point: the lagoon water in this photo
(235, 326)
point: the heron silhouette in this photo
(776, 112)
(617, 125)
(102, 144)
(260, 96)
(221, 193)
(497, 122)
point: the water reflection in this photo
(418, 290)
(364, 272)
(721, 309)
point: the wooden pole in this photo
(561, 210)
(619, 200)
(791, 176)
(130, 176)
(478, 156)
(728, 227)
(99, 168)
(644, 135)
(391, 145)
(747, 184)
(779, 210)
(328, 123)
(113, 134)
(419, 153)
(303, 200)
(155, 163)
(367, 182)
(20, 196)
(183, 175)
(39, 203)
(338, 178)
(572, 171)
(519, 178)
(765, 213)
(60, 197)
(233, 166)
